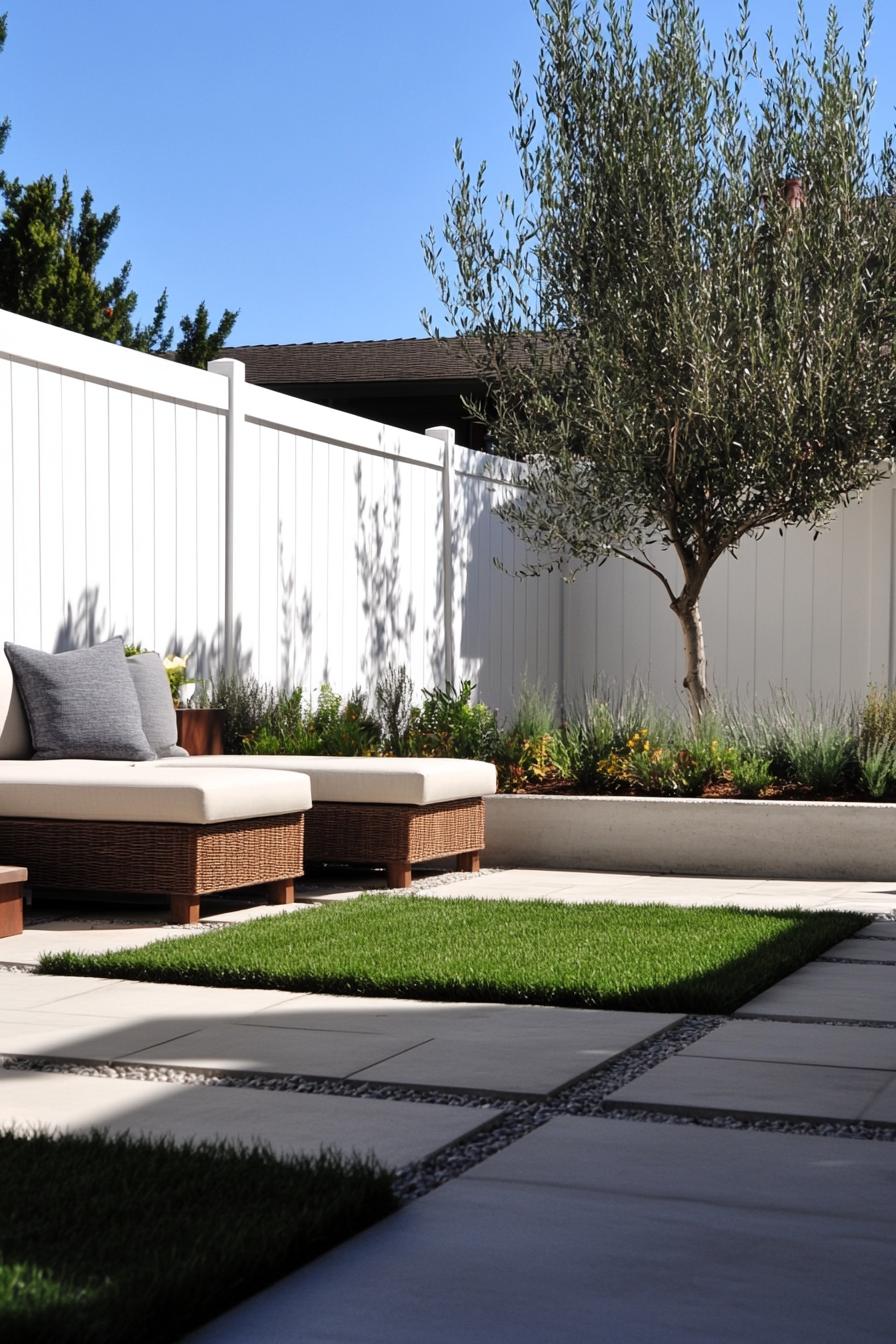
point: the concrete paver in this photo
(799, 1043)
(524, 1051)
(495, 1048)
(753, 1088)
(883, 1108)
(878, 928)
(58, 1033)
(865, 949)
(241, 1049)
(396, 1132)
(143, 999)
(35, 991)
(828, 989)
(27, 948)
(596, 1229)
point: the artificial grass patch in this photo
(602, 955)
(121, 1239)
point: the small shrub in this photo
(247, 704)
(665, 769)
(394, 698)
(821, 757)
(587, 739)
(448, 724)
(877, 721)
(748, 773)
(534, 712)
(877, 770)
(330, 728)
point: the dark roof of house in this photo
(314, 362)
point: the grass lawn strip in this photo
(648, 957)
(122, 1239)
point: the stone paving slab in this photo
(523, 1051)
(495, 1048)
(576, 886)
(63, 1034)
(881, 950)
(144, 999)
(686, 1085)
(878, 928)
(883, 1108)
(26, 949)
(396, 1132)
(348, 1012)
(243, 1049)
(826, 990)
(34, 991)
(799, 1043)
(606, 1230)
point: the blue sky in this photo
(284, 158)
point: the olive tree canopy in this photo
(685, 318)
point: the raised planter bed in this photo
(722, 838)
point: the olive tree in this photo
(684, 318)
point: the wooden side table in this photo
(12, 899)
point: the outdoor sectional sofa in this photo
(121, 826)
(183, 827)
(394, 811)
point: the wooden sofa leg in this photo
(398, 875)
(12, 900)
(468, 863)
(184, 910)
(283, 893)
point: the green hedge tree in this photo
(685, 319)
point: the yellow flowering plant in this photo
(176, 667)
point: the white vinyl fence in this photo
(814, 618)
(192, 511)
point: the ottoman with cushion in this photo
(382, 810)
(117, 826)
(107, 821)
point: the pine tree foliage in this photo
(50, 253)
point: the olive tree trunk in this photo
(687, 609)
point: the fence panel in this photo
(813, 617)
(114, 472)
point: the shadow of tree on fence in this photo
(389, 613)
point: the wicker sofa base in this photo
(179, 862)
(396, 836)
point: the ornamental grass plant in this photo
(611, 740)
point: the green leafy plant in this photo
(449, 724)
(665, 768)
(247, 705)
(394, 700)
(877, 770)
(820, 752)
(750, 774)
(532, 750)
(877, 718)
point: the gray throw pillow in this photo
(80, 704)
(156, 706)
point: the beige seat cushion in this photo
(134, 791)
(414, 780)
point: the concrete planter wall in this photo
(833, 841)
